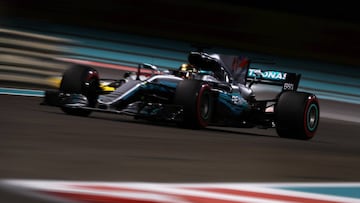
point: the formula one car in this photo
(209, 90)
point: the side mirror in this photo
(138, 72)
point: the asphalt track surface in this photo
(41, 142)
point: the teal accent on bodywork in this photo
(158, 85)
(205, 72)
(154, 87)
(234, 102)
(170, 84)
(268, 75)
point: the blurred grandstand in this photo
(294, 29)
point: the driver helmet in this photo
(187, 71)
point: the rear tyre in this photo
(297, 115)
(197, 101)
(81, 80)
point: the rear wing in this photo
(288, 81)
(237, 69)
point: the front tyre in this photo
(297, 115)
(197, 102)
(79, 82)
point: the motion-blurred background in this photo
(327, 31)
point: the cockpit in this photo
(225, 68)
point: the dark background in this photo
(326, 31)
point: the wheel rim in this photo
(205, 106)
(312, 117)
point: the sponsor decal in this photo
(236, 99)
(269, 75)
(288, 86)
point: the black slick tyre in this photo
(83, 80)
(197, 102)
(297, 115)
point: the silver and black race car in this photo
(210, 89)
